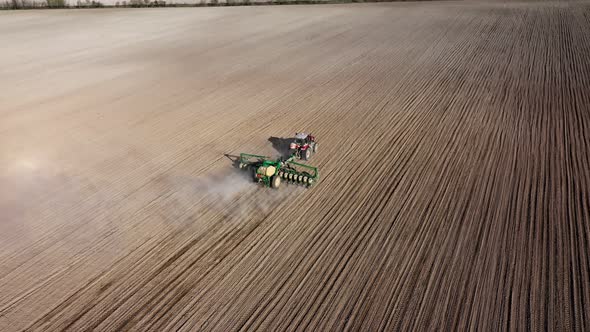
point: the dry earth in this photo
(455, 165)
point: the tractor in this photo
(271, 172)
(303, 145)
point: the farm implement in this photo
(271, 172)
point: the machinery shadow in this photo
(235, 160)
(281, 145)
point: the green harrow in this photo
(271, 172)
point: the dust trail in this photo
(233, 193)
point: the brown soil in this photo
(454, 160)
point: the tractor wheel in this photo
(275, 182)
(315, 148)
(306, 154)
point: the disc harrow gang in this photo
(296, 177)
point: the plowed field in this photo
(454, 153)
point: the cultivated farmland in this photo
(454, 162)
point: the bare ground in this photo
(455, 165)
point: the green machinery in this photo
(270, 172)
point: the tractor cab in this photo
(304, 138)
(301, 136)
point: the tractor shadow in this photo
(281, 145)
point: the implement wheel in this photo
(275, 181)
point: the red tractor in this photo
(303, 146)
